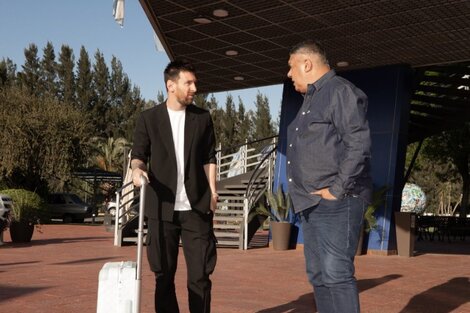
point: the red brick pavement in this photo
(58, 272)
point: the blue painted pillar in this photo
(388, 89)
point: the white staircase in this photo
(237, 196)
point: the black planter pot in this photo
(21, 231)
(281, 235)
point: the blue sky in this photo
(90, 23)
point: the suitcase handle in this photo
(140, 238)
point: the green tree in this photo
(66, 75)
(229, 122)
(431, 176)
(454, 146)
(119, 86)
(160, 96)
(243, 124)
(200, 100)
(49, 70)
(212, 104)
(108, 153)
(43, 140)
(84, 83)
(31, 73)
(7, 73)
(132, 105)
(101, 84)
(263, 125)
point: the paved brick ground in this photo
(58, 272)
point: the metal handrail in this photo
(253, 193)
(245, 144)
(121, 211)
(224, 162)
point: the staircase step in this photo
(236, 187)
(225, 212)
(230, 204)
(228, 218)
(236, 193)
(239, 198)
(234, 243)
(262, 178)
(226, 226)
(219, 234)
(240, 187)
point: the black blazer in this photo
(153, 143)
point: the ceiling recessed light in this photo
(342, 64)
(220, 13)
(231, 52)
(202, 20)
(239, 78)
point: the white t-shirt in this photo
(177, 119)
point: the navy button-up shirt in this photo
(329, 143)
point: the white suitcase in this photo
(120, 282)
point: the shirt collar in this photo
(319, 83)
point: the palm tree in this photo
(108, 153)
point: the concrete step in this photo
(228, 218)
(230, 204)
(225, 212)
(222, 234)
(226, 226)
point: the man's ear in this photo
(308, 65)
(170, 85)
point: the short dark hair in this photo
(173, 69)
(310, 46)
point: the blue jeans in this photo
(331, 232)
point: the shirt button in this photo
(290, 179)
(303, 113)
(297, 129)
(288, 162)
(290, 145)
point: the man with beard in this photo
(177, 139)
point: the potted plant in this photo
(27, 211)
(370, 221)
(277, 210)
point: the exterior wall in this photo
(388, 89)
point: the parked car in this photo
(111, 207)
(68, 207)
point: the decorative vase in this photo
(21, 231)
(281, 235)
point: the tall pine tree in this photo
(84, 82)
(49, 82)
(243, 126)
(7, 73)
(101, 84)
(66, 75)
(30, 75)
(263, 125)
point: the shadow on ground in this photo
(306, 302)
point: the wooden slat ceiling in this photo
(364, 33)
(440, 100)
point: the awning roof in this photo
(363, 33)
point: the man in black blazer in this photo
(177, 139)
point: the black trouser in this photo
(197, 236)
